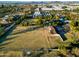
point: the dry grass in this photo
(11, 53)
(39, 38)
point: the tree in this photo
(2, 6)
(1, 30)
(64, 7)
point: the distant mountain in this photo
(36, 2)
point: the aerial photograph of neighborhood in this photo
(39, 28)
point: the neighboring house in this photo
(3, 23)
(57, 8)
(5, 17)
(42, 12)
(37, 9)
(46, 9)
(46, 14)
(37, 13)
(4, 20)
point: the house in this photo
(4, 19)
(37, 13)
(46, 14)
(3, 23)
(46, 9)
(57, 8)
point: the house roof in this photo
(37, 13)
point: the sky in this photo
(39, 0)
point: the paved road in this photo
(3, 37)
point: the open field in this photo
(27, 38)
(37, 38)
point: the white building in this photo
(57, 8)
(46, 9)
(4, 19)
(37, 13)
